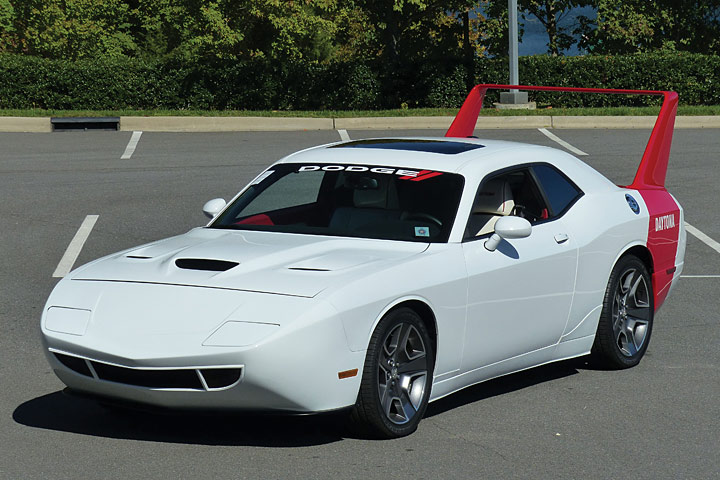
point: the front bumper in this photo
(164, 362)
(268, 378)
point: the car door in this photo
(519, 296)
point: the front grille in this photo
(148, 378)
(184, 378)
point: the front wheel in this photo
(397, 377)
(627, 316)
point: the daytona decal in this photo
(412, 175)
(664, 223)
(663, 235)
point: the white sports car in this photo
(379, 275)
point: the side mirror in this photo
(213, 207)
(508, 227)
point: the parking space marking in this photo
(560, 141)
(699, 276)
(73, 250)
(702, 237)
(344, 135)
(132, 144)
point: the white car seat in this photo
(495, 200)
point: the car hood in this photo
(286, 264)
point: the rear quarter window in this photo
(558, 189)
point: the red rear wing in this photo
(653, 166)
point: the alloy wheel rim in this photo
(402, 373)
(631, 313)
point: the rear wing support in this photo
(653, 166)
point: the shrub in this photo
(262, 84)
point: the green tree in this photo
(67, 28)
(309, 29)
(494, 29)
(408, 29)
(7, 15)
(629, 26)
(183, 29)
(189, 29)
(550, 13)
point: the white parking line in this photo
(699, 276)
(73, 250)
(702, 237)
(344, 135)
(562, 142)
(130, 149)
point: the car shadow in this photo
(60, 412)
(507, 384)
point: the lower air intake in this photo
(181, 378)
(75, 364)
(221, 377)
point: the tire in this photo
(397, 377)
(626, 320)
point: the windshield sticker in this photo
(412, 175)
(262, 177)
(420, 176)
(422, 232)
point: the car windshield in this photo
(350, 201)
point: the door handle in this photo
(561, 237)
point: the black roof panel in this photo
(430, 146)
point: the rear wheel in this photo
(397, 377)
(627, 316)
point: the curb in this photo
(223, 124)
(25, 124)
(286, 124)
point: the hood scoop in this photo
(309, 269)
(205, 264)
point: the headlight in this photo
(240, 334)
(73, 321)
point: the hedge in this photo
(261, 84)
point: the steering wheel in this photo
(424, 216)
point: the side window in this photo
(513, 192)
(559, 191)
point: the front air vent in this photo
(205, 379)
(180, 378)
(78, 365)
(221, 377)
(138, 257)
(205, 264)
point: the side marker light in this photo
(347, 373)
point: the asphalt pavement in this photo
(660, 420)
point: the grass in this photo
(414, 112)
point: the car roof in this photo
(437, 153)
(471, 157)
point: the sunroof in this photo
(430, 146)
